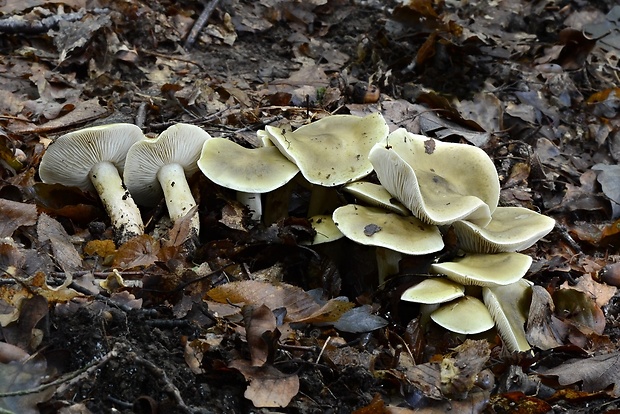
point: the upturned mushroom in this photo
(485, 269)
(439, 182)
(375, 195)
(330, 152)
(93, 159)
(511, 229)
(160, 167)
(249, 171)
(466, 315)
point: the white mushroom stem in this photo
(178, 195)
(387, 263)
(119, 205)
(253, 202)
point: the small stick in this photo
(199, 24)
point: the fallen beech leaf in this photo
(141, 251)
(595, 374)
(23, 375)
(298, 303)
(14, 215)
(359, 320)
(332, 311)
(544, 330)
(101, 248)
(459, 372)
(259, 323)
(601, 293)
(518, 402)
(63, 250)
(268, 387)
(579, 309)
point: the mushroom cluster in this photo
(426, 188)
(448, 184)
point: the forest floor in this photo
(535, 84)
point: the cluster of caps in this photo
(425, 187)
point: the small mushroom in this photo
(433, 290)
(439, 182)
(326, 229)
(159, 167)
(250, 172)
(375, 195)
(333, 150)
(391, 233)
(485, 269)
(509, 306)
(511, 229)
(93, 159)
(466, 315)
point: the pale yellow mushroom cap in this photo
(251, 170)
(511, 229)
(439, 182)
(466, 315)
(333, 150)
(485, 269)
(433, 290)
(376, 227)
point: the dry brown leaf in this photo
(330, 312)
(268, 387)
(260, 322)
(141, 251)
(595, 374)
(101, 248)
(14, 215)
(298, 303)
(600, 292)
(64, 253)
(544, 330)
(24, 375)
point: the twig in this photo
(199, 24)
(68, 379)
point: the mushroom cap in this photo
(466, 315)
(179, 144)
(511, 229)
(376, 227)
(509, 306)
(70, 158)
(257, 170)
(485, 269)
(434, 290)
(440, 182)
(375, 195)
(326, 229)
(333, 150)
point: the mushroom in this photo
(439, 182)
(511, 229)
(509, 306)
(466, 315)
(250, 172)
(93, 159)
(433, 290)
(331, 151)
(159, 167)
(485, 269)
(392, 234)
(375, 195)
(326, 230)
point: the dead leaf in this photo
(298, 303)
(20, 376)
(360, 319)
(268, 387)
(544, 329)
(140, 251)
(260, 324)
(14, 215)
(600, 292)
(594, 374)
(63, 251)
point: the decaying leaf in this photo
(64, 252)
(595, 373)
(20, 375)
(14, 215)
(140, 251)
(260, 325)
(268, 387)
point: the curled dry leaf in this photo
(14, 215)
(141, 251)
(268, 387)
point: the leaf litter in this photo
(253, 318)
